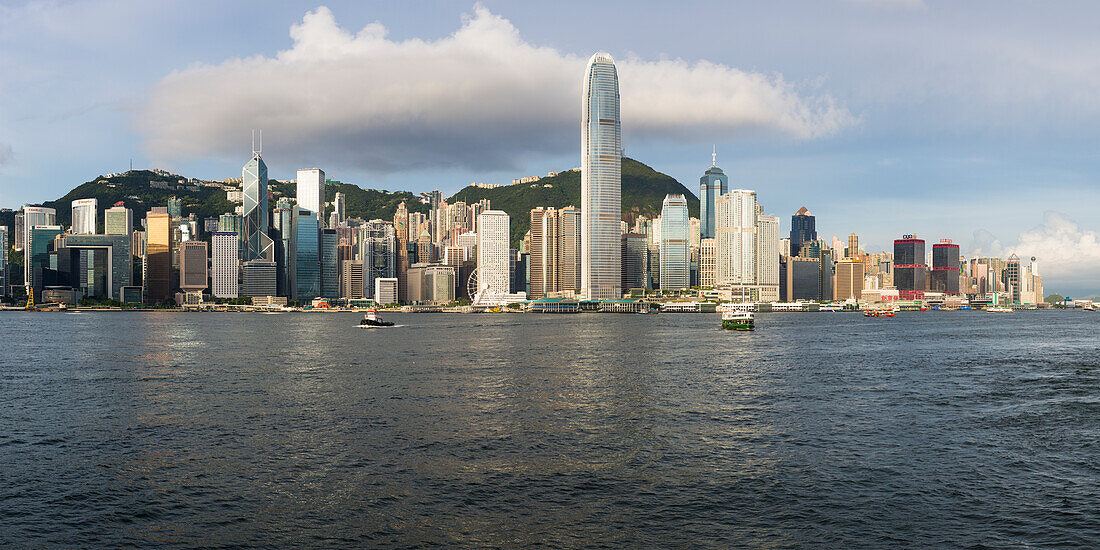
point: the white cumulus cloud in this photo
(1068, 255)
(482, 98)
(1064, 250)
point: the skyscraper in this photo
(283, 219)
(767, 257)
(849, 279)
(633, 251)
(601, 180)
(19, 238)
(158, 256)
(910, 271)
(555, 251)
(5, 275)
(945, 267)
(853, 246)
(33, 216)
(84, 216)
(330, 264)
(707, 262)
(225, 266)
(493, 263)
(401, 233)
(1011, 276)
(193, 266)
(712, 185)
(310, 190)
(118, 220)
(378, 254)
(675, 272)
(256, 243)
(307, 261)
(735, 242)
(36, 255)
(802, 229)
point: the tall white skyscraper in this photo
(601, 181)
(310, 191)
(84, 216)
(767, 257)
(224, 265)
(735, 246)
(493, 263)
(675, 266)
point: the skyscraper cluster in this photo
(305, 248)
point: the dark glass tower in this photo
(910, 271)
(945, 267)
(802, 229)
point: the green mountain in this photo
(141, 190)
(643, 190)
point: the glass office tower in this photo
(601, 181)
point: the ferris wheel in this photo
(476, 291)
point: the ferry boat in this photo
(646, 311)
(878, 313)
(995, 309)
(371, 319)
(738, 320)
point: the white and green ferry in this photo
(737, 320)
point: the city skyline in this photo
(943, 141)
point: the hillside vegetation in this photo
(643, 190)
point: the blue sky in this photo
(977, 122)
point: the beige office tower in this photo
(767, 258)
(401, 234)
(555, 251)
(853, 246)
(158, 255)
(849, 279)
(706, 263)
(351, 279)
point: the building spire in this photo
(713, 155)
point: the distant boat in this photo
(878, 313)
(1089, 308)
(999, 309)
(371, 319)
(647, 311)
(738, 320)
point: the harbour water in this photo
(935, 429)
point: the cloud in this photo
(891, 4)
(1067, 254)
(6, 153)
(482, 98)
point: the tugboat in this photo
(371, 319)
(737, 320)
